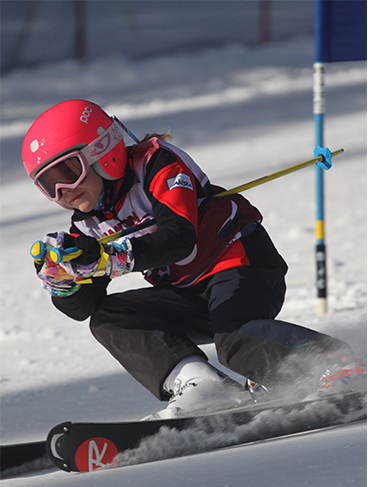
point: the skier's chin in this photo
(85, 206)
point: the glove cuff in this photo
(60, 292)
(121, 257)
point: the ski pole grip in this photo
(38, 250)
(64, 255)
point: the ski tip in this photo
(55, 444)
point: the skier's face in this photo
(85, 196)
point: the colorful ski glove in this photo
(54, 278)
(91, 248)
(113, 260)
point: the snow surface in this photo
(241, 113)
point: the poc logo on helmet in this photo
(84, 117)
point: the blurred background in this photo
(39, 31)
(233, 81)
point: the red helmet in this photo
(67, 127)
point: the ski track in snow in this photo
(221, 432)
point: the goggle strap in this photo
(131, 135)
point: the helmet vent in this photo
(34, 146)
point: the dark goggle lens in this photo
(66, 172)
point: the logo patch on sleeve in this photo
(180, 181)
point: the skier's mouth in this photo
(75, 199)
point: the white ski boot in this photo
(196, 386)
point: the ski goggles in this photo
(69, 170)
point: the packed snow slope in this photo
(241, 113)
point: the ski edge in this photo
(353, 401)
(17, 455)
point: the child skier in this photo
(213, 268)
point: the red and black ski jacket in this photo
(195, 235)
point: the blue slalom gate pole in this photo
(340, 35)
(321, 261)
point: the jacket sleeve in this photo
(172, 190)
(84, 302)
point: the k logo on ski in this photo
(95, 453)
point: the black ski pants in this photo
(149, 331)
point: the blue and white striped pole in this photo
(321, 263)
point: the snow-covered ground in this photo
(241, 113)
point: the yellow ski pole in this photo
(65, 255)
(279, 174)
(324, 160)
